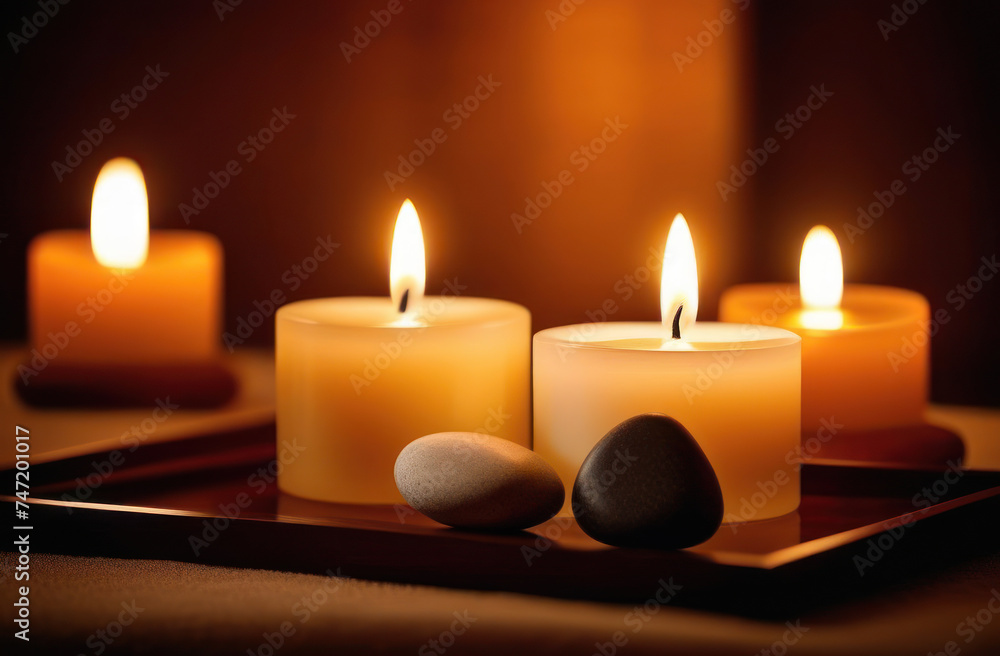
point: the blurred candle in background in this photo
(359, 378)
(865, 348)
(120, 294)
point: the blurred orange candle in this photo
(865, 348)
(122, 295)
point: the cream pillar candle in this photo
(735, 387)
(360, 378)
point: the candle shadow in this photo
(498, 532)
(124, 385)
(923, 445)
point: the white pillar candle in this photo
(735, 387)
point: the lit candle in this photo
(864, 347)
(359, 378)
(735, 387)
(121, 295)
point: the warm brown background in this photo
(324, 174)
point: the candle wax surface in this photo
(356, 383)
(734, 387)
(166, 310)
(868, 369)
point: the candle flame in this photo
(407, 268)
(821, 279)
(119, 215)
(679, 279)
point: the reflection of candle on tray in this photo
(122, 295)
(734, 387)
(864, 347)
(359, 378)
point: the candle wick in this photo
(403, 301)
(676, 332)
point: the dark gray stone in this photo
(647, 483)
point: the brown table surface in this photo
(198, 609)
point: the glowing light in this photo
(407, 267)
(679, 279)
(119, 216)
(821, 279)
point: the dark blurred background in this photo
(563, 69)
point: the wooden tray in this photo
(857, 525)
